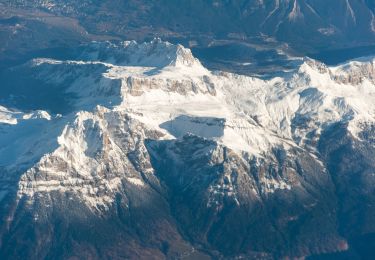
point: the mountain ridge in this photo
(166, 159)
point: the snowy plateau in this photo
(170, 159)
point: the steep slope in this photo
(157, 157)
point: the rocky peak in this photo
(155, 53)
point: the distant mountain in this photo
(157, 157)
(307, 25)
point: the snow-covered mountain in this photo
(158, 157)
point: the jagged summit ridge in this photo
(312, 91)
(155, 53)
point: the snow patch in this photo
(135, 181)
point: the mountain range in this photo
(304, 24)
(330, 31)
(137, 151)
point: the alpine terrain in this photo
(137, 151)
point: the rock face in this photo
(157, 157)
